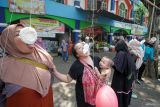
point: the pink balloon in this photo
(106, 97)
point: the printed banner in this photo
(45, 27)
(27, 6)
(137, 29)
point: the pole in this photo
(156, 56)
(152, 4)
(150, 30)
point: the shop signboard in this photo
(27, 6)
(122, 25)
(45, 27)
(135, 29)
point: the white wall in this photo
(70, 2)
(82, 4)
(109, 5)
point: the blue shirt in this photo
(148, 52)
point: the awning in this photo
(106, 28)
(69, 22)
(87, 24)
(120, 30)
(93, 30)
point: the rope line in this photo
(6, 40)
(30, 17)
(92, 29)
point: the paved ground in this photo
(64, 95)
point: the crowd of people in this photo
(27, 69)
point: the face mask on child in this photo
(86, 48)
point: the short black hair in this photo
(121, 46)
(19, 24)
(74, 52)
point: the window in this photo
(92, 4)
(59, 1)
(101, 4)
(122, 10)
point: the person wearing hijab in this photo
(25, 80)
(124, 68)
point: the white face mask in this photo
(86, 48)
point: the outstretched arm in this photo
(62, 77)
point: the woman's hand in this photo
(103, 75)
(62, 77)
(97, 72)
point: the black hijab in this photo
(124, 63)
(121, 46)
(123, 58)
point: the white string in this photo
(5, 43)
(92, 29)
(4, 50)
(30, 18)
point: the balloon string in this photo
(30, 18)
(6, 40)
(92, 29)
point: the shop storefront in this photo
(74, 20)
